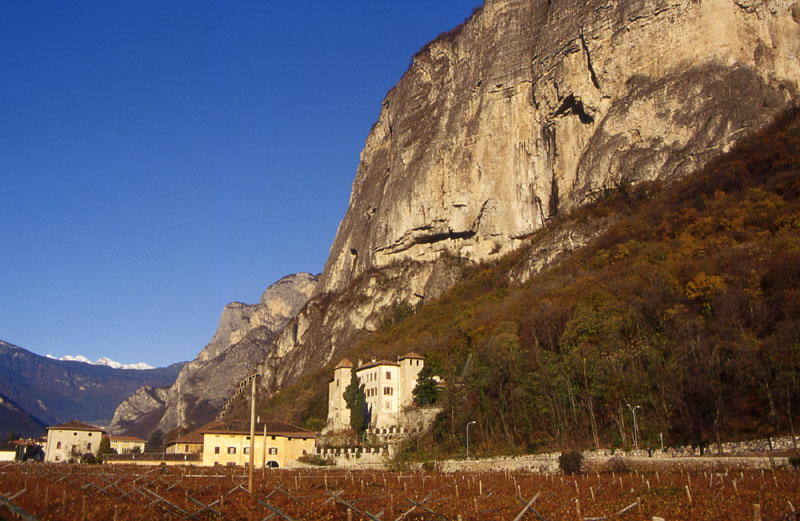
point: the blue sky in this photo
(159, 159)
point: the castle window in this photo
(89, 446)
(231, 450)
(388, 375)
(216, 450)
(273, 450)
(58, 445)
(388, 391)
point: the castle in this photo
(388, 387)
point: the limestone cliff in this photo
(203, 386)
(530, 109)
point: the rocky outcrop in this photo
(533, 106)
(202, 387)
(528, 110)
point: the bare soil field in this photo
(49, 492)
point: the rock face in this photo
(533, 106)
(529, 109)
(204, 384)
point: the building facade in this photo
(191, 443)
(388, 389)
(277, 444)
(126, 444)
(72, 440)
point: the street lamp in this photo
(635, 425)
(470, 423)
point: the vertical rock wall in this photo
(530, 109)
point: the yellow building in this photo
(71, 440)
(228, 443)
(191, 443)
(125, 444)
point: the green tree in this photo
(425, 392)
(356, 401)
(155, 442)
(105, 447)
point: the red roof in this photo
(243, 427)
(75, 425)
(112, 437)
(345, 363)
(195, 437)
(377, 363)
(412, 354)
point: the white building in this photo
(388, 388)
(126, 444)
(71, 440)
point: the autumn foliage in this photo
(688, 305)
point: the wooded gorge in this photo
(688, 306)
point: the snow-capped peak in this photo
(116, 365)
(102, 361)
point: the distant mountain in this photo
(102, 361)
(15, 418)
(56, 391)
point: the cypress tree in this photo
(356, 401)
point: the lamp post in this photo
(635, 425)
(470, 423)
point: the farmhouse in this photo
(8, 451)
(71, 440)
(277, 444)
(388, 387)
(191, 443)
(126, 444)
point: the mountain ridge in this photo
(56, 391)
(203, 386)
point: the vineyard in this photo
(113, 493)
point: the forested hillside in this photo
(688, 306)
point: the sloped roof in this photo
(194, 437)
(376, 363)
(75, 425)
(345, 363)
(412, 354)
(243, 427)
(124, 438)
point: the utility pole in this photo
(252, 433)
(264, 451)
